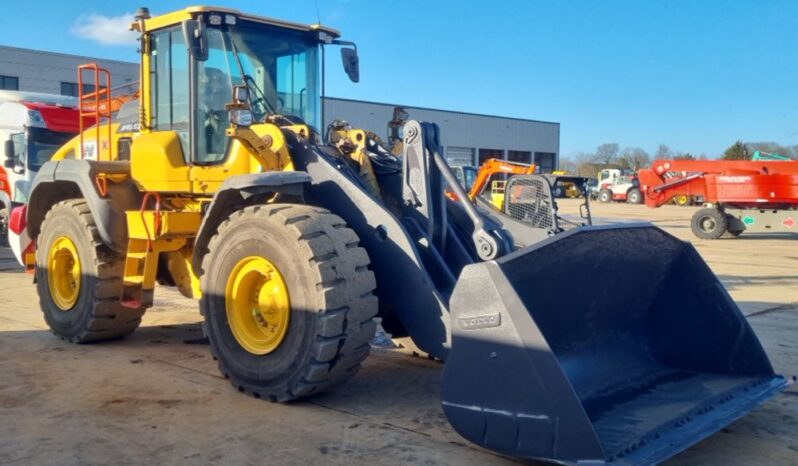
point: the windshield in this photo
(280, 67)
(37, 146)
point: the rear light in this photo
(29, 258)
(18, 220)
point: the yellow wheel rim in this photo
(258, 305)
(63, 273)
(681, 200)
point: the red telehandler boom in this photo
(739, 195)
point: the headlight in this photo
(241, 117)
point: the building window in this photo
(485, 154)
(521, 156)
(9, 83)
(71, 89)
(545, 161)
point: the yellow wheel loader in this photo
(217, 182)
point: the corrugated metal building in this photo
(468, 138)
(55, 73)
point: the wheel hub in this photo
(708, 224)
(258, 305)
(64, 273)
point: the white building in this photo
(468, 138)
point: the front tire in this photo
(313, 331)
(634, 196)
(605, 196)
(79, 279)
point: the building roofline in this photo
(527, 120)
(69, 55)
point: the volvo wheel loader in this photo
(217, 182)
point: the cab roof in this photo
(176, 17)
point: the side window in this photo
(215, 76)
(170, 90)
(291, 82)
(20, 149)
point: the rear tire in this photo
(605, 196)
(329, 287)
(709, 223)
(682, 200)
(95, 312)
(634, 196)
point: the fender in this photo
(238, 192)
(70, 179)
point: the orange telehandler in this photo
(739, 195)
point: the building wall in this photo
(490, 135)
(39, 71)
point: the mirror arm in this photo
(344, 43)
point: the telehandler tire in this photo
(79, 279)
(605, 196)
(634, 196)
(288, 300)
(709, 223)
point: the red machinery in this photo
(740, 195)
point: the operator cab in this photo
(196, 63)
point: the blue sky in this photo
(694, 75)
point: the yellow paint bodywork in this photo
(157, 163)
(107, 151)
(173, 224)
(242, 160)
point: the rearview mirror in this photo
(196, 39)
(351, 64)
(9, 152)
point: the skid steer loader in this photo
(222, 187)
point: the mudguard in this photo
(68, 179)
(234, 193)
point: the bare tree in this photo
(607, 152)
(634, 158)
(663, 152)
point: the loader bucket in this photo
(611, 344)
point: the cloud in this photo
(107, 30)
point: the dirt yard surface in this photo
(156, 397)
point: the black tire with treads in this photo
(331, 291)
(709, 223)
(98, 313)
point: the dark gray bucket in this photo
(610, 344)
